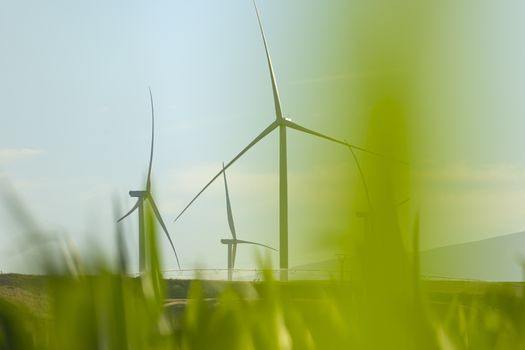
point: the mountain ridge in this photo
(497, 258)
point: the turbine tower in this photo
(282, 124)
(232, 243)
(144, 196)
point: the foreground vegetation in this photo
(109, 310)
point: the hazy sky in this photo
(75, 120)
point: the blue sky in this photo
(75, 120)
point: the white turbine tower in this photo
(144, 196)
(232, 243)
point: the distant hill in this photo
(492, 259)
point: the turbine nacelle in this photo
(138, 194)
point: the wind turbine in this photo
(282, 124)
(232, 243)
(144, 196)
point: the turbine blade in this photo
(159, 218)
(374, 153)
(234, 254)
(148, 182)
(228, 205)
(276, 99)
(265, 132)
(318, 134)
(314, 133)
(255, 243)
(139, 201)
(363, 179)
